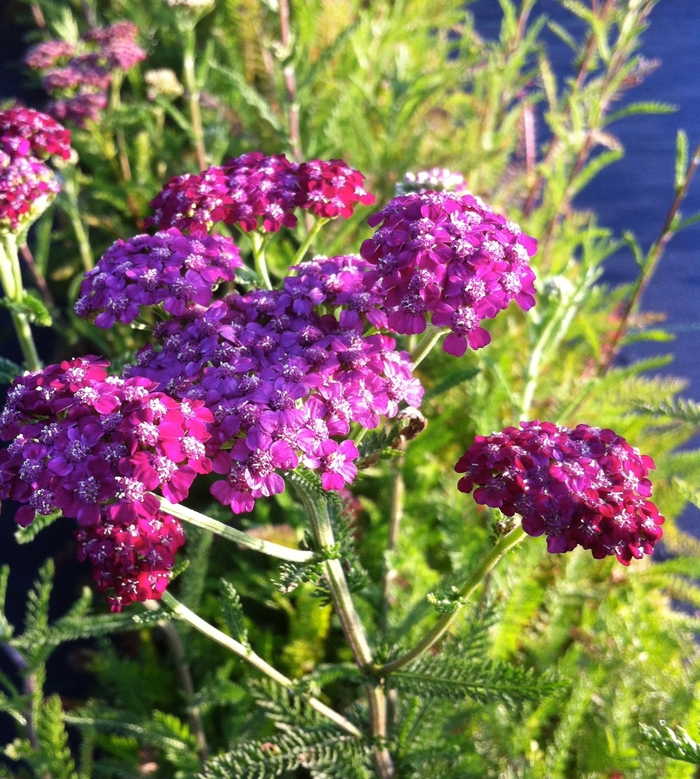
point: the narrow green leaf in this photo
(24, 535)
(233, 612)
(681, 158)
(634, 109)
(671, 742)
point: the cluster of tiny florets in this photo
(27, 184)
(168, 268)
(95, 447)
(450, 261)
(78, 77)
(584, 487)
(284, 384)
(435, 179)
(255, 191)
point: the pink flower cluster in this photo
(27, 184)
(168, 268)
(584, 487)
(256, 191)
(448, 260)
(79, 78)
(283, 382)
(95, 447)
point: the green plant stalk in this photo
(189, 76)
(426, 343)
(237, 536)
(317, 511)
(503, 545)
(258, 244)
(115, 104)
(246, 653)
(313, 232)
(11, 280)
(73, 210)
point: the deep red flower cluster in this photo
(78, 77)
(95, 447)
(448, 260)
(584, 487)
(27, 184)
(168, 268)
(255, 191)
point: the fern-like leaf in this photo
(484, 681)
(233, 612)
(23, 535)
(671, 742)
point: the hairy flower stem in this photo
(312, 233)
(398, 494)
(317, 511)
(503, 545)
(114, 105)
(189, 76)
(237, 536)
(258, 244)
(11, 280)
(246, 653)
(426, 343)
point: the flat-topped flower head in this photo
(95, 447)
(450, 261)
(167, 268)
(258, 192)
(284, 382)
(584, 487)
(24, 131)
(27, 187)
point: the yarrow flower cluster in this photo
(95, 447)
(27, 184)
(584, 487)
(435, 180)
(78, 77)
(450, 261)
(167, 268)
(256, 191)
(283, 383)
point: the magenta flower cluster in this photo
(79, 77)
(283, 383)
(449, 261)
(255, 191)
(584, 487)
(95, 447)
(27, 184)
(168, 268)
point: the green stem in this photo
(503, 545)
(73, 211)
(11, 280)
(247, 654)
(317, 510)
(426, 343)
(313, 232)
(237, 536)
(190, 79)
(258, 244)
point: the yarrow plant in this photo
(78, 76)
(584, 487)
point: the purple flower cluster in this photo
(169, 268)
(27, 184)
(255, 191)
(80, 78)
(283, 382)
(95, 447)
(448, 260)
(584, 487)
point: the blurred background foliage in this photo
(391, 87)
